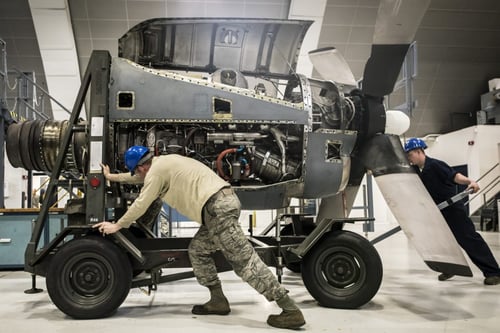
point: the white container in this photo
(494, 84)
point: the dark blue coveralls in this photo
(437, 177)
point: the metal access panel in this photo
(168, 97)
(328, 152)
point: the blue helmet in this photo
(414, 143)
(136, 155)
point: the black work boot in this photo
(291, 317)
(217, 304)
(492, 280)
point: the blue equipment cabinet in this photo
(15, 233)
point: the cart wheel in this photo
(307, 228)
(343, 270)
(89, 278)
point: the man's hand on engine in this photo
(106, 228)
(105, 170)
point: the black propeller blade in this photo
(395, 28)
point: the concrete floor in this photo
(411, 299)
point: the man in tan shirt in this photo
(198, 193)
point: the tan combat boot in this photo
(217, 304)
(291, 317)
(287, 319)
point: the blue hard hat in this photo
(414, 143)
(136, 155)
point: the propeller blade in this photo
(412, 205)
(422, 222)
(398, 21)
(331, 65)
(395, 28)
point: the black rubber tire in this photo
(307, 228)
(89, 278)
(343, 270)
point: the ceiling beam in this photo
(54, 32)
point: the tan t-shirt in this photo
(182, 182)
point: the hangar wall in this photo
(475, 146)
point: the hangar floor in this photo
(411, 299)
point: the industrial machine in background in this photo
(490, 104)
(225, 92)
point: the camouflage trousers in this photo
(221, 231)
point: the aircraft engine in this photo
(248, 153)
